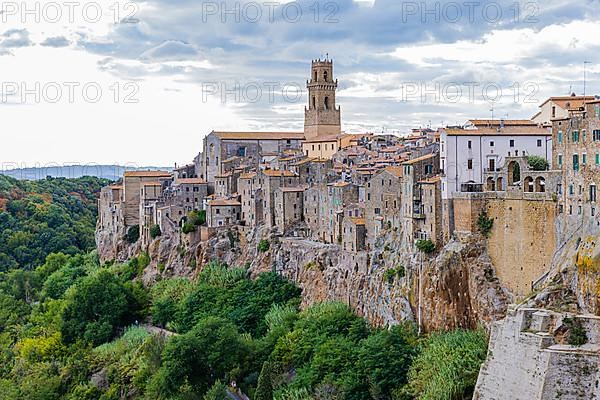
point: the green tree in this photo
(426, 246)
(95, 307)
(264, 245)
(155, 231)
(133, 234)
(264, 389)
(198, 358)
(538, 163)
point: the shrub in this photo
(188, 228)
(394, 273)
(197, 217)
(485, 224)
(538, 163)
(133, 234)
(264, 245)
(155, 231)
(577, 335)
(426, 246)
(448, 365)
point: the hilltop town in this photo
(447, 227)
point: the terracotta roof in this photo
(152, 184)
(148, 174)
(574, 101)
(419, 159)
(507, 131)
(248, 175)
(225, 175)
(293, 189)
(498, 122)
(191, 181)
(358, 221)
(259, 135)
(119, 187)
(396, 171)
(321, 139)
(433, 179)
(276, 173)
(340, 184)
(224, 202)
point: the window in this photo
(583, 159)
(571, 189)
(470, 144)
(575, 162)
(377, 211)
(560, 159)
(512, 143)
(597, 158)
(553, 111)
(560, 137)
(575, 136)
(492, 143)
(584, 131)
(596, 135)
(469, 164)
(539, 143)
(593, 193)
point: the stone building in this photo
(339, 195)
(382, 202)
(412, 208)
(190, 193)
(428, 214)
(313, 171)
(354, 234)
(576, 153)
(314, 209)
(270, 180)
(251, 199)
(226, 183)
(288, 206)
(223, 212)
(132, 187)
(558, 107)
(251, 146)
(110, 208)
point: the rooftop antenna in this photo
(585, 63)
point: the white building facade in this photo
(466, 154)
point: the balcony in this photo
(471, 187)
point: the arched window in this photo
(325, 76)
(514, 173)
(528, 184)
(327, 103)
(491, 184)
(314, 102)
(540, 184)
(316, 76)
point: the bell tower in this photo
(322, 117)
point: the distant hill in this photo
(111, 172)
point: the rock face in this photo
(459, 287)
(529, 360)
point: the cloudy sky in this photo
(141, 83)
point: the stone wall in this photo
(528, 359)
(522, 241)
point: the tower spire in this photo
(322, 117)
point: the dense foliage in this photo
(46, 216)
(538, 163)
